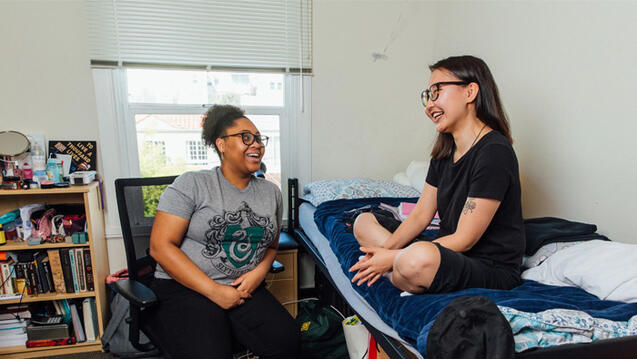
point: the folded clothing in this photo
(544, 230)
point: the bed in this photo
(400, 324)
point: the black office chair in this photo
(137, 200)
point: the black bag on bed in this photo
(322, 335)
(470, 328)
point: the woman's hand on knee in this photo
(373, 265)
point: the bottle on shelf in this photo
(27, 172)
(38, 157)
(3, 239)
(17, 172)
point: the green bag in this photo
(322, 334)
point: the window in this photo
(147, 113)
(166, 107)
(197, 153)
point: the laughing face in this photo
(450, 104)
(236, 154)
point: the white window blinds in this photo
(222, 34)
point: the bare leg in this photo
(368, 232)
(415, 267)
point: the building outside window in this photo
(166, 106)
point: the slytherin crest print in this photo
(236, 241)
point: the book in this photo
(49, 342)
(88, 270)
(78, 329)
(90, 319)
(56, 270)
(33, 278)
(2, 286)
(13, 312)
(48, 274)
(7, 283)
(76, 289)
(67, 273)
(43, 284)
(20, 278)
(13, 332)
(79, 263)
(66, 310)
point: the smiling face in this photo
(237, 156)
(451, 104)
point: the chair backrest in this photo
(137, 200)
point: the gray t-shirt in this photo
(229, 228)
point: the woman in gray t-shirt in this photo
(214, 238)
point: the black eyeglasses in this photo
(431, 94)
(248, 138)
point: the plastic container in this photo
(54, 170)
(10, 231)
(3, 239)
(38, 157)
(27, 172)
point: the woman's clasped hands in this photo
(376, 262)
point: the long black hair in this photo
(489, 109)
(215, 122)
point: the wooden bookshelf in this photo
(17, 245)
(90, 197)
(46, 297)
(24, 352)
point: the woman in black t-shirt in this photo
(473, 182)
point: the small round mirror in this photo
(13, 143)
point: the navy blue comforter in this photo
(412, 316)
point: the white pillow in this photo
(417, 173)
(401, 178)
(605, 269)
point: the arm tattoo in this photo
(469, 206)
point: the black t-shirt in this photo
(488, 170)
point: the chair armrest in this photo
(135, 292)
(277, 267)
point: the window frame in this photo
(118, 133)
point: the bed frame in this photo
(617, 348)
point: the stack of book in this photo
(65, 270)
(13, 324)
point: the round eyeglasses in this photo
(431, 94)
(248, 138)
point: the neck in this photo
(236, 178)
(466, 136)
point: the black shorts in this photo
(458, 271)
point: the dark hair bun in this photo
(216, 120)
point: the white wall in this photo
(46, 86)
(367, 118)
(566, 72)
(45, 77)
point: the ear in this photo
(472, 91)
(220, 144)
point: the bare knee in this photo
(416, 266)
(362, 222)
(368, 231)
